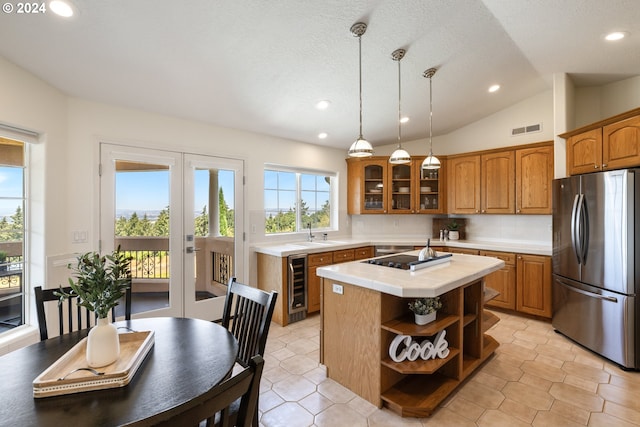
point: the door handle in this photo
(587, 293)
(191, 249)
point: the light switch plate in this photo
(337, 289)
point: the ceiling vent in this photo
(526, 129)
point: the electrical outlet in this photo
(337, 289)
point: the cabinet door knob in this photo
(604, 165)
(595, 166)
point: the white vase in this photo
(423, 319)
(103, 344)
(454, 235)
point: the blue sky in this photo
(149, 190)
(10, 186)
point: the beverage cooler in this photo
(297, 285)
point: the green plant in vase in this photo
(100, 282)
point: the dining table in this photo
(187, 359)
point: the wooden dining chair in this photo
(247, 315)
(243, 387)
(70, 314)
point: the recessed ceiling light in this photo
(61, 8)
(616, 35)
(323, 135)
(405, 119)
(494, 88)
(323, 105)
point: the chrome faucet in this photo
(311, 236)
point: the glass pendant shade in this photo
(399, 157)
(360, 148)
(431, 162)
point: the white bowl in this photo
(403, 189)
(425, 189)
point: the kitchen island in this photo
(365, 308)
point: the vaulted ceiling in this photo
(262, 65)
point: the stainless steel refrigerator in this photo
(596, 263)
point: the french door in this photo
(180, 217)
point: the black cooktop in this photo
(395, 261)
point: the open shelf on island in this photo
(418, 396)
(407, 326)
(420, 366)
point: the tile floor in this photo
(536, 378)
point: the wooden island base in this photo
(358, 326)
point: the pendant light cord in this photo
(360, 80)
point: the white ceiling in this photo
(261, 65)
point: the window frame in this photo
(333, 197)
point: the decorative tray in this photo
(70, 374)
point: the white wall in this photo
(28, 103)
(595, 103)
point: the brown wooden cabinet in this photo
(534, 177)
(313, 281)
(497, 183)
(374, 186)
(621, 144)
(613, 143)
(401, 183)
(503, 280)
(430, 187)
(367, 185)
(511, 181)
(584, 152)
(533, 285)
(463, 184)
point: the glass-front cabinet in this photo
(377, 187)
(429, 188)
(366, 185)
(401, 198)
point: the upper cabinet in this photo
(377, 187)
(517, 180)
(610, 144)
(430, 187)
(402, 186)
(463, 183)
(367, 185)
(497, 183)
(534, 175)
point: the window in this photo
(12, 208)
(293, 199)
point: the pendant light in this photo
(399, 156)
(431, 162)
(361, 147)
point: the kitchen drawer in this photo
(344, 255)
(364, 252)
(323, 258)
(508, 258)
(463, 251)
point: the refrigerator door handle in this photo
(587, 293)
(575, 237)
(584, 229)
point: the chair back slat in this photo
(71, 317)
(247, 315)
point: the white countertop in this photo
(428, 282)
(291, 248)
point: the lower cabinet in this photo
(523, 284)
(503, 281)
(533, 285)
(313, 281)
